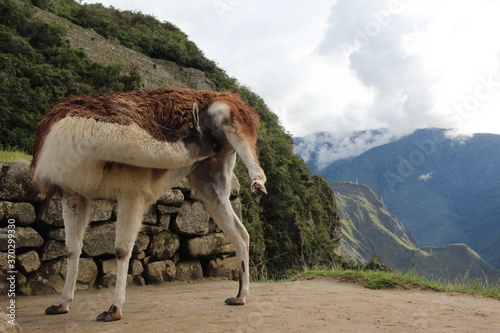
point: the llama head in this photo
(237, 124)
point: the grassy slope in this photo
(386, 280)
(368, 228)
(7, 156)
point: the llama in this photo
(134, 146)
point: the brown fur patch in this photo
(170, 107)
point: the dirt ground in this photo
(316, 305)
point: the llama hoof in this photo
(55, 310)
(112, 314)
(234, 301)
(257, 190)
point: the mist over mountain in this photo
(320, 150)
(444, 188)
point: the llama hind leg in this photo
(128, 224)
(222, 213)
(76, 215)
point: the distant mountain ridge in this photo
(443, 189)
(368, 228)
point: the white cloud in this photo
(327, 147)
(425, 177)
(347, 65)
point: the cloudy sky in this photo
(347, 65)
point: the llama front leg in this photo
(128, 224)
(211, 182)
(76, 215)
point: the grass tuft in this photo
(9, 156)
(395, 280)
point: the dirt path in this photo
(317, 305)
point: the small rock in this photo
(108, 281)
(99, 239)
(53, 249)
(109, 266)
(227, 268)
(87, 272)
(22, 212)
(58, 234)
(16, 183)
(136, 267)
(51, 213)
(141, 243)
(4, 264)
(29, 261)
(209, 245)
(164, 221)
(139, 256)
(139, 281)
(151, 229)
(164, 245)
(150, 216)
(168, 209)
(192, 219)
(24, 237)
(188, 270)
(160, 271)
(173, 197)
(4, 283)
(101, 210)
(109, 269)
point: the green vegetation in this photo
(374, 279)
(368, 228)
(38, 69)
(8, 156)
(296, 225)
(142, 33)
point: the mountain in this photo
(445, 189)
(368, 228)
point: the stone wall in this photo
(178, 240)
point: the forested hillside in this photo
(296, 225)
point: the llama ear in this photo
(196, 116)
